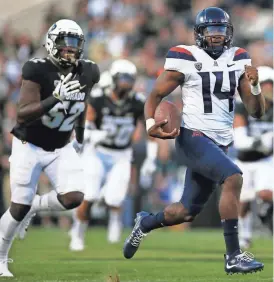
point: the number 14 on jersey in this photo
(217, 89)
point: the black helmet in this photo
(213, 18)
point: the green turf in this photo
(165, 256)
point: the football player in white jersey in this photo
(209, 74)
(114, 112)
(254, 143)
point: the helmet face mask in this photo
(123, 84)
(65, 43)
(123, 73)
(213, 30)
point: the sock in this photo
(114, 226)
(8, 226)
(231, 235)
(153, 221)
(47, 202)
(79, 227)
(245, 227)
(114, 216)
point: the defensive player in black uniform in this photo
(254, 144)
(51, 104)
(113, 114)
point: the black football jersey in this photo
(255, 128)
(53, 130)
(119, 119)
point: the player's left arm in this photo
(250, 92)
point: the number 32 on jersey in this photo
(56, 117)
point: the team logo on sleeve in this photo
(198, 66)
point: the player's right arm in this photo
(168, 81)
(30, 106)
(92, 133)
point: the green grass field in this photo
(193, 256)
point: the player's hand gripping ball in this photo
(168, 121)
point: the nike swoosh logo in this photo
(230, 65)
(230, 266)
(82, 87)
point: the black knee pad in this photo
(71, 200)
(19, 211)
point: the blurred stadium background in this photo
(141, 31)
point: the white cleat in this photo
(76, 244)
(4, 271)
(24, 225)
(114, 232)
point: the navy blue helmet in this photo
(213, 30)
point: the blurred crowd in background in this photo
(141, 31)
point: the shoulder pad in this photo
(91, 70)
(88, 61)
(32, 70)
(241, 54)
(181, 59)
(180, 52)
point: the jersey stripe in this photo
(241, 54)
(180, 53)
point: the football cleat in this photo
(4, 271)
(76, 244)
(242, 263)
(133, 241)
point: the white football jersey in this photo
(208, 91)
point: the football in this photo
(168, 110)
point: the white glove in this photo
(148, 167)
(97, 136)
(146, 173)
(266, 142)
(65, 87)
(78, 147)
(94, 136)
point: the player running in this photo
(114, 112)
(51, 104)
(209, 74)
(254, 143)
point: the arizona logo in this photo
(198, 66)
